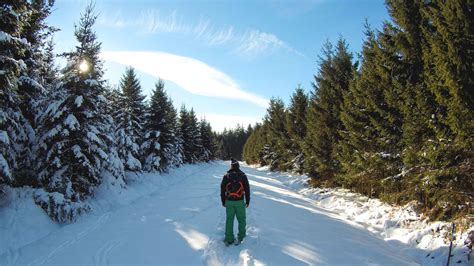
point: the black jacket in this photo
(235, 173)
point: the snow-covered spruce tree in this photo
(12, 50)
(159, 141)
(114, 165)
(73, 144)
(130, 118)
(296, 127)
(32, 83)
(278, 143)
(207, 141)
(175, 157)
(190, 135)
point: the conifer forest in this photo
(395, 122)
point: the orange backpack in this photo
(235, 188)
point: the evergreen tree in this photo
(253, 148)
(207, 139)
(190, 135)
(296, 126)
(324, 124)
(73, 145)
(130, 119)
(277, 145)
(359, 154)
(448, 58)
(175, 156)
(12, 49)
(32, 83)
(160, 136)
(194, 137)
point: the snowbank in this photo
(403, 224)
(23, 222)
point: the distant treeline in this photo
(397, 123)
(230, 142)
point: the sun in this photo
(84, 66)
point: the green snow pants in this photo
(232, 209)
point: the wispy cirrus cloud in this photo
(188, 73)
(248, 43)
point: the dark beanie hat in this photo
(234, 163)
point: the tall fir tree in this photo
(296, 126)
(73, 149)
(159, 142)
(13, 49)
(207, 140)
(448, 59)
(32, 84)
(253, 148)
(278, 143)
(324, 123)
(190, 135)
(130, 121)
(356, 139)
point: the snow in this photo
(4, 37)
(78, 101)
(4, 137)
(177, 218)
(72, 122)
(91, 82)
(4, 168)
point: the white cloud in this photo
(219, 122)
(188, 73)
(249, 43)
(255, 42)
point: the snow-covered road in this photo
(182, 223)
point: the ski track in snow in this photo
(183, 221)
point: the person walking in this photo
(234, 187)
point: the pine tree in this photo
(194, 137)
(130, 120)
(73, 146)
(448, 57)
(159, 142)
(253, 148)
(207, 140)
(277, 145)
(296, 126)
(189, 133)
(31, 85)
(12, 49)
(324, 123)
(359, 153)
(175, 156)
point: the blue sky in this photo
(225, 59)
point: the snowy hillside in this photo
(177, 218)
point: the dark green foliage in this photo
(400, 127)
(278, 142)
(324, 123)
(296, 126)
(12, 49)
(130, 117)
(253, 148)
(208, 149)
(230, 143)
(191, 137)
(74, 128)
(160, 131)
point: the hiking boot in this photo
(228, 243)
(238, 242)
